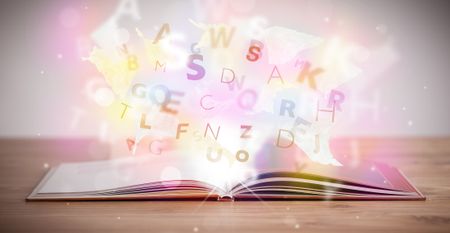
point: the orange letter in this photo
(179, 130)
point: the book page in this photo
(292, 160)
(137, 170)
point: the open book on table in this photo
(174, 176)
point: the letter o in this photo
(244, 103)
(245, 158)
(154, 98)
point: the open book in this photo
(165, 177)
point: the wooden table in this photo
(425, 161)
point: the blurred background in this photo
(47, 90)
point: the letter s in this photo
(254, 52)
(200, 70)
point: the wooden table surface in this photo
(425, 161)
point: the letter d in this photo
(278, 138)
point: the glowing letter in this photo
(332, 111)
(219, 155)
(201, 103)
(238, 83)
(247, 103)
(336, 98)
(271, 75)
(193, 49)
(254, 52)
(166, 94)
(278, 139)
(124, 110)
(300, 63)
(130, 143)
(317, 148)
(238, 157)
(301, 121)
(245, 133)
(163, 66)
(179, 130)
(287, 105)
(132, 62)
(128, 7)
(222, 35)
(136, 93)
(164, 107)
(143, 125)
(164, 29)
(310, 75)
(227, 81)
(124, 49)
(200, 70)
(158, 150)
(210, 129)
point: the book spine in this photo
(226, 197)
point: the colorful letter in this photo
(278, 139)
(210, 129)
(154, 98)
(310, 75)
(301, 121)
(221, 35)
(130, 144)
(201, 103)
(179, 130)
(332, 111)
(143, 125)
(245, 133)
(247, 102)
(336, 98)
(193, 49)
(164, 29)
(200, 70)
(124, 110)
(128, 7)
(238, 83)
(163, 66)
(216, 159)
(227, 81)
(238, 157)
(136, 93)
(164, 107)
(158, 150)
(317, 147)
(278, 76)
(132, 62)
(287, 105)
(254, 52)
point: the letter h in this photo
(332, 111)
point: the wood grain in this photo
(425, 161)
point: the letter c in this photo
(201, 103)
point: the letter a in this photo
(278, 76)
(164, 29)
(128, 7)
